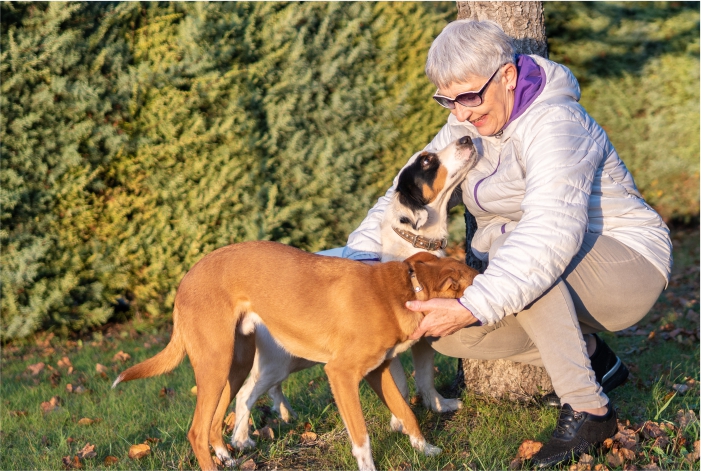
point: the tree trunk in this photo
(523, 21)
(504, 379)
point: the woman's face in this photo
(498, 100)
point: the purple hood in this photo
(529, 84)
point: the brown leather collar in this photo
(416, 286)
(421, 242)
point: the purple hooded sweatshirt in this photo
(529, 84)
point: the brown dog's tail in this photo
(164, 361)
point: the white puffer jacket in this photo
(550, 177)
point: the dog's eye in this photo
(426, 160)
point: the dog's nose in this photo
(465, 141)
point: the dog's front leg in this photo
(345, 383)
(423, 354)
(383, 384)
(399, 376)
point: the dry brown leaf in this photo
(515, 464)
(249, 465)
(230, 422)
(51, 405)
(651, 467)
(600, 467)
(110, 460)
(86, 421)
(65, 362)
(75, 389)
(627, 438)
(578, 466)
(586, 459)
(88, 451)
(307, 427)
(630, 467)
(152, 440)
(448, 467)
(661, 442)
(309, 437)
(415, 399)
(136, 452)
(627, 454)
(193, 390)
(527, 449)
(685, 418)
(614, 459)
(19, 413)
(652, 429)
(74, 463)
(608, 443)
(100, 368)
(266, 433)
(121, 356)
(36, 368)
(169, 392)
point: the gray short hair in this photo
(468, 48)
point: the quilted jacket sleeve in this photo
(561, 153)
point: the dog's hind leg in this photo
(383, 384)
(423, 354)
(345, 381)
(211, 357)
(244, 352)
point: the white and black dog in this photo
(416, 220)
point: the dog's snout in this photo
(465, 141)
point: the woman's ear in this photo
(509, 75)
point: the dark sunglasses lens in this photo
(445, 102)
(469, 99)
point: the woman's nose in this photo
(461, 112)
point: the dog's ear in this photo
(450, 285)
(421, 257)
(416, 217)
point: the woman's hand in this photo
(444, 317)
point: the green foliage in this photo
(638, 64)
(136, 137)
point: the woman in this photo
(573, 248)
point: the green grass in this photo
(485, 434)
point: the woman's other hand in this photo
(444, 317)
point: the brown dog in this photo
(344, 313)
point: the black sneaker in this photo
(575, 433)
(609, 370)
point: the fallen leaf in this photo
(661, 442)
(307, 427)
(586, 459)
(627, 454)
(651, 429)
(627, 438)
(249, 465)
(170, 392)
(100, 368)
(230, 422)
(51, 405)
(75, 389)
(527, 449)
(630, 467)
(88, 451)
(448, 467)
(65, 362)
(36, 368)
(121, 356)
(74, 463)
(614, 459)
(308, 437)
(600, 467)
(136, 452)
(415, 399)
(193, 390)
(266, 433)
(651, 467)
(19, 413)
(579, 466)
(110, 460)
(153, 440)
(608, 443)
(681, 388)
(55, 378)
(86, 421)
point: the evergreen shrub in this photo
(137, 137)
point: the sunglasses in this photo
(470, 99)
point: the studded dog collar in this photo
(421, 242)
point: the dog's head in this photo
(429, 180)
(441, 277)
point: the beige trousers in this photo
(606, 287)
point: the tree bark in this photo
(503, 379)
(523, 21)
